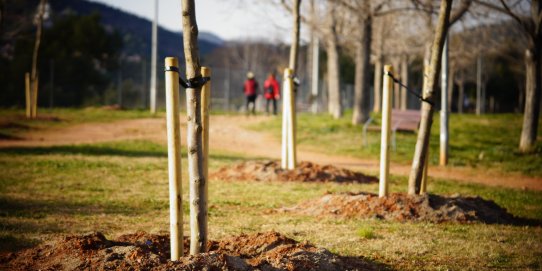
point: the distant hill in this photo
(136, 31)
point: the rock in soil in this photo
(402, 207)
(142, 251)
(305, 172)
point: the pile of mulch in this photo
(304, 172)
(142, 251)
(402, 207)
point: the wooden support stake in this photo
(205, 104)
(386, 125)
(28, 95)
(34, 90)
(174, 158)
(289, 86)
(285, 119)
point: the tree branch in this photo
(465, 5)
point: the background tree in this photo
(528, 15)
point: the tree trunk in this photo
(404, 80)
(334, 102)
(479, 109)
(34, 71)
(532, 99)
(332, 49)
(362, 102)
(461, 96)
(430, 87)
(295, 36)
(198, 202)
(378, 69)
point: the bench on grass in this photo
(401, 120)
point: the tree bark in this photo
(461, 94)
(198, 202)
(378, 69)
(333, 73)
(334, 102)
(479, 107)
(362, 102)
(404, 80)
(532, 99)
(294, 50)
(430, 87)
(34, 71)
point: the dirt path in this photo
(227, 134)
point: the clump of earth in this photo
(304, 172)
(402, 207)
(143, 251)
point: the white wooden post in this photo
(205, 124)
(174, 157)
(444, 111)
(289, 86)
(386, 125)
(285, 119)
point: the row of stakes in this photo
(198, 101)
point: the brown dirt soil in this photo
(401, 207)
(142, 251)
(305, 172)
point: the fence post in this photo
(386, 123)
(174, 157)
(28, 95)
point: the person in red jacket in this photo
(251, 92)
(271, 93)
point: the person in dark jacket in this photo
(251, 92)
(271, 92)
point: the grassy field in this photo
(475, 141)
(121, 187)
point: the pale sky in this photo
(228, 19)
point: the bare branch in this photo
(460, 12)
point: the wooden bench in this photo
(401, 120)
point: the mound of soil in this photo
(305, 172)
(401, 207)
(142, 251)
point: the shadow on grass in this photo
(23, 216)
(10, 243)
(40, 209)
(125, 149)
(91, 150)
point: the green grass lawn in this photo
(488, 141)
(122, 187)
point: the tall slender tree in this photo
(198, 200)
(530, 23)
(430, 88)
